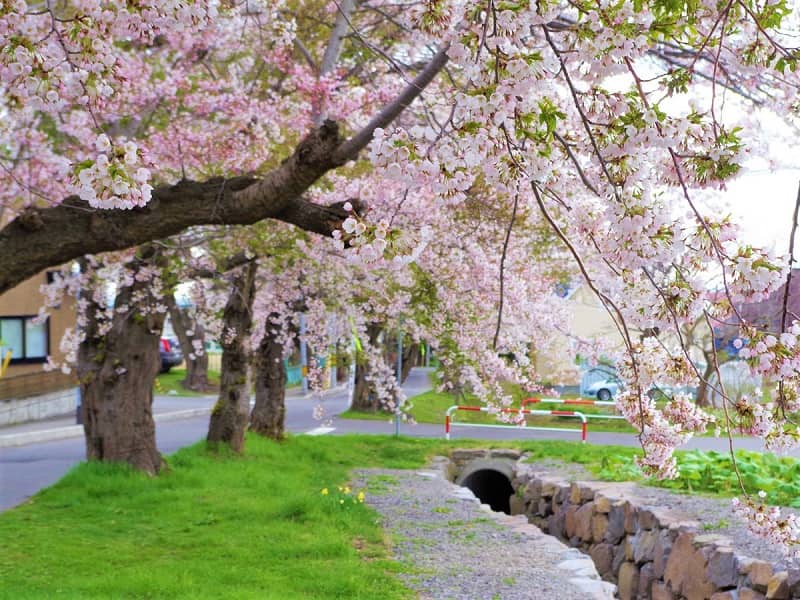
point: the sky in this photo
(763, 201)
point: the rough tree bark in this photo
(363, 399)
(229, 416)
(196, 368)
(342, 364)
(410, 360)
(269, 411)
(46, 237)
(703, 398)
(116, 371)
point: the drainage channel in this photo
(490, 475)
(491, 487)
(648, 551)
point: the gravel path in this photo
(457, 549)
(714, 514)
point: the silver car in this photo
(603, 390)
(606, 390)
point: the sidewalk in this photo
(165, 408)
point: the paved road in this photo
(26, 469)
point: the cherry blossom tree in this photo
(191, 336)
(612, 122)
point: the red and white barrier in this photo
(448, 419)
(572, 402)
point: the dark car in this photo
(171, 354)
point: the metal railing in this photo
(570, 402)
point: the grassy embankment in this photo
(258, 526)
(169, 384)
(430, 407)
(214, 526)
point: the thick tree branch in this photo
(229, 264)
(52, 236)
(350, 149)
(333, 49)
(73, 228)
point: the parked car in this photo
(604, 390)
(171, 355)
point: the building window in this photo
(27, 339)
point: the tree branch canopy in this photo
(47, 237)
(42, 238)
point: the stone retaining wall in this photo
(39, 407)
(648, 552)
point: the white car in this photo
(604, 390)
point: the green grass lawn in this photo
(430, 407)
(259, 526)
(170, 383)
(214, 526)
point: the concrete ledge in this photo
(34, 408)
(62, 433)
(297, 393)
(46, 435)
(181, 414)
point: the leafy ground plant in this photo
(701, 472)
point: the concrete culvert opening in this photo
(491, 487)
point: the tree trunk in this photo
(229, 416)
(703, 398)
(343, 360)
(269, 411)
(117, 370)
(363, 399)
(196, 368)
(410, 360)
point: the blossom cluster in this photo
(57, 55)
(116, 178)
(768, 522)
(371, 243)
(770, 354)
(383, 382)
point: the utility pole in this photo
(303, 353)
(399, 378)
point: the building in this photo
(588, 320)
(27, 391)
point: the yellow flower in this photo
(360, 496)
(324, 491)
(341, 501)
(347, 489)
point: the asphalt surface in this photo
(26, 469)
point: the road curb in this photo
(311, 395)
(63, 433)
